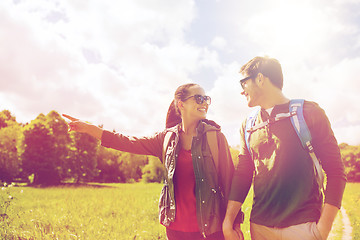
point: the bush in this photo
(154, 171)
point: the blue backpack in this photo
(297, 119)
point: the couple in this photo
(203, 194)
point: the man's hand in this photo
(237, 229)
(326, 220)
(232, 232)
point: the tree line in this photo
(44, 152)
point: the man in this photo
(288, 202)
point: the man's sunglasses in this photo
(200, 99)
(242, 81)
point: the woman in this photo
(193, 200)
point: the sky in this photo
(118, 63)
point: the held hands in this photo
(232, 231)
(83, 127)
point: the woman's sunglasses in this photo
(200, 99)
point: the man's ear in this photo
(180, 105)
(260, 79)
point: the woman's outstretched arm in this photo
(80, 126)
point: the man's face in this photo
(251, 90)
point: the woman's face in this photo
(195, 105)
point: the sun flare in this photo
(299, 27)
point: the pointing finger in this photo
(70, 118)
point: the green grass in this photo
(351, 203)
(122, 211)
(116, 211)
(112, 211)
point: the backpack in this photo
(296, 116)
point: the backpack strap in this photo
(167, 138)
(302, 130)
(250, 122)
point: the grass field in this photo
(117, 211)
(122, 211)
(351, 203)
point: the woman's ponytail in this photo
(172, 117)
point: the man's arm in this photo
(327, 150)
(326, 220)
(230, 231)
(241, 183)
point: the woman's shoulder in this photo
(211, 125)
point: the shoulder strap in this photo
(165, 144)
(302, 130)
(214, 147)
(298, 122)
(250, 122)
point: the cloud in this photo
(106, 63)
(228, 107)
(219, 42)
(119, 63)
(349, 134)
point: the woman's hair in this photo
(173, 116)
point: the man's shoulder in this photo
(311, 107)
(314, 114)
(310, 104)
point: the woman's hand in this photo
(76, 124)
(83, 127)
(232, 231)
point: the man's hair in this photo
(269, 67)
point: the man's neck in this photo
(272, 99)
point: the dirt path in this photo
(347, 229)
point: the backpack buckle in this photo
(309, 146)
(271, 120)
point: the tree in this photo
(61, 141)
(154, 171)
(235, 155)
(131, 166)
(39, 152)
(82, 161)
(6, 119)
(108, 164)
(10, 164)
(351, 158)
